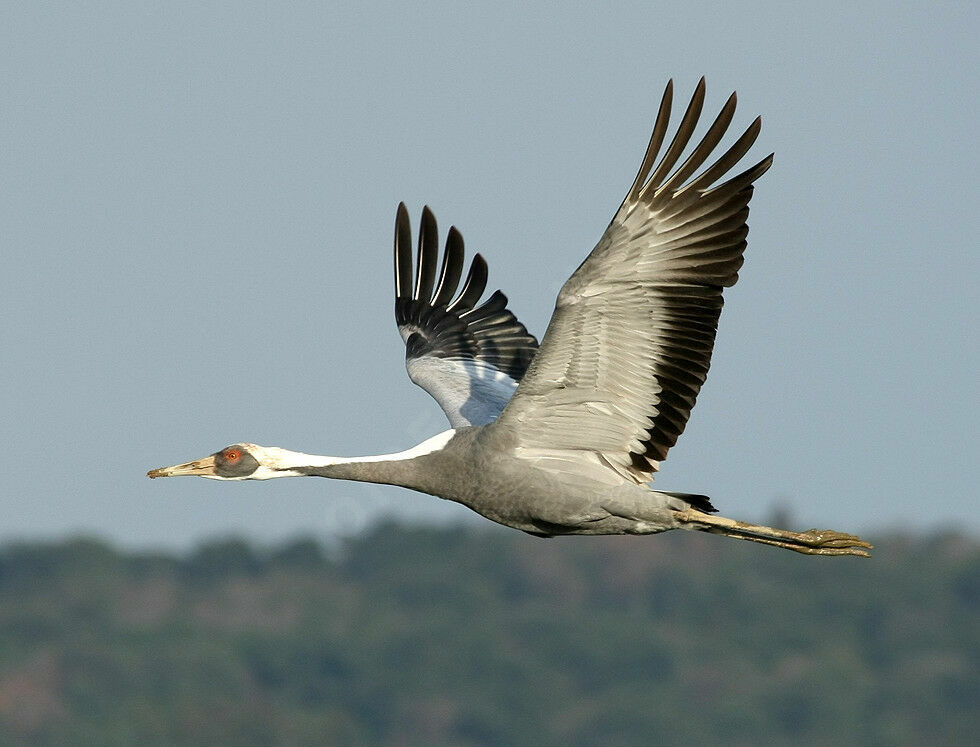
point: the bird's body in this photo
(565, 439)
(481, 468)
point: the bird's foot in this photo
(827, 542)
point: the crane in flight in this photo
(565, 437)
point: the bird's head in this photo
(235, 462)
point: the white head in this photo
(237, 462)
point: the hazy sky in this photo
(197, 213)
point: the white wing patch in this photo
(470, 392)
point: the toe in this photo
(831, 539)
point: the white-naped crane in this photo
(565, 438)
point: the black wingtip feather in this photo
(435, 325)
(452, 268)
(476, 283)
(656, 141)
(428, 257)
(681, 138)
(403, 253)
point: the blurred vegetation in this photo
(463, 636)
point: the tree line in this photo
(455, 635)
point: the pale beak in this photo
(203, 467)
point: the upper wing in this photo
(629, 345)
(468, 357)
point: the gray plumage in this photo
(630, 340)
(573, 448)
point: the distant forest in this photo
(409, 635)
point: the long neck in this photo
(402, 468)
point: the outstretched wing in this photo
(629, 345)
(469, 358)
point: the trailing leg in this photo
(810, 542)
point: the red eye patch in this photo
(233, 455)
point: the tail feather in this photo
(700, 502)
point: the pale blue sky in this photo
(197, 212)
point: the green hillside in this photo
(460, 636)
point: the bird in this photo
(565, 437)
